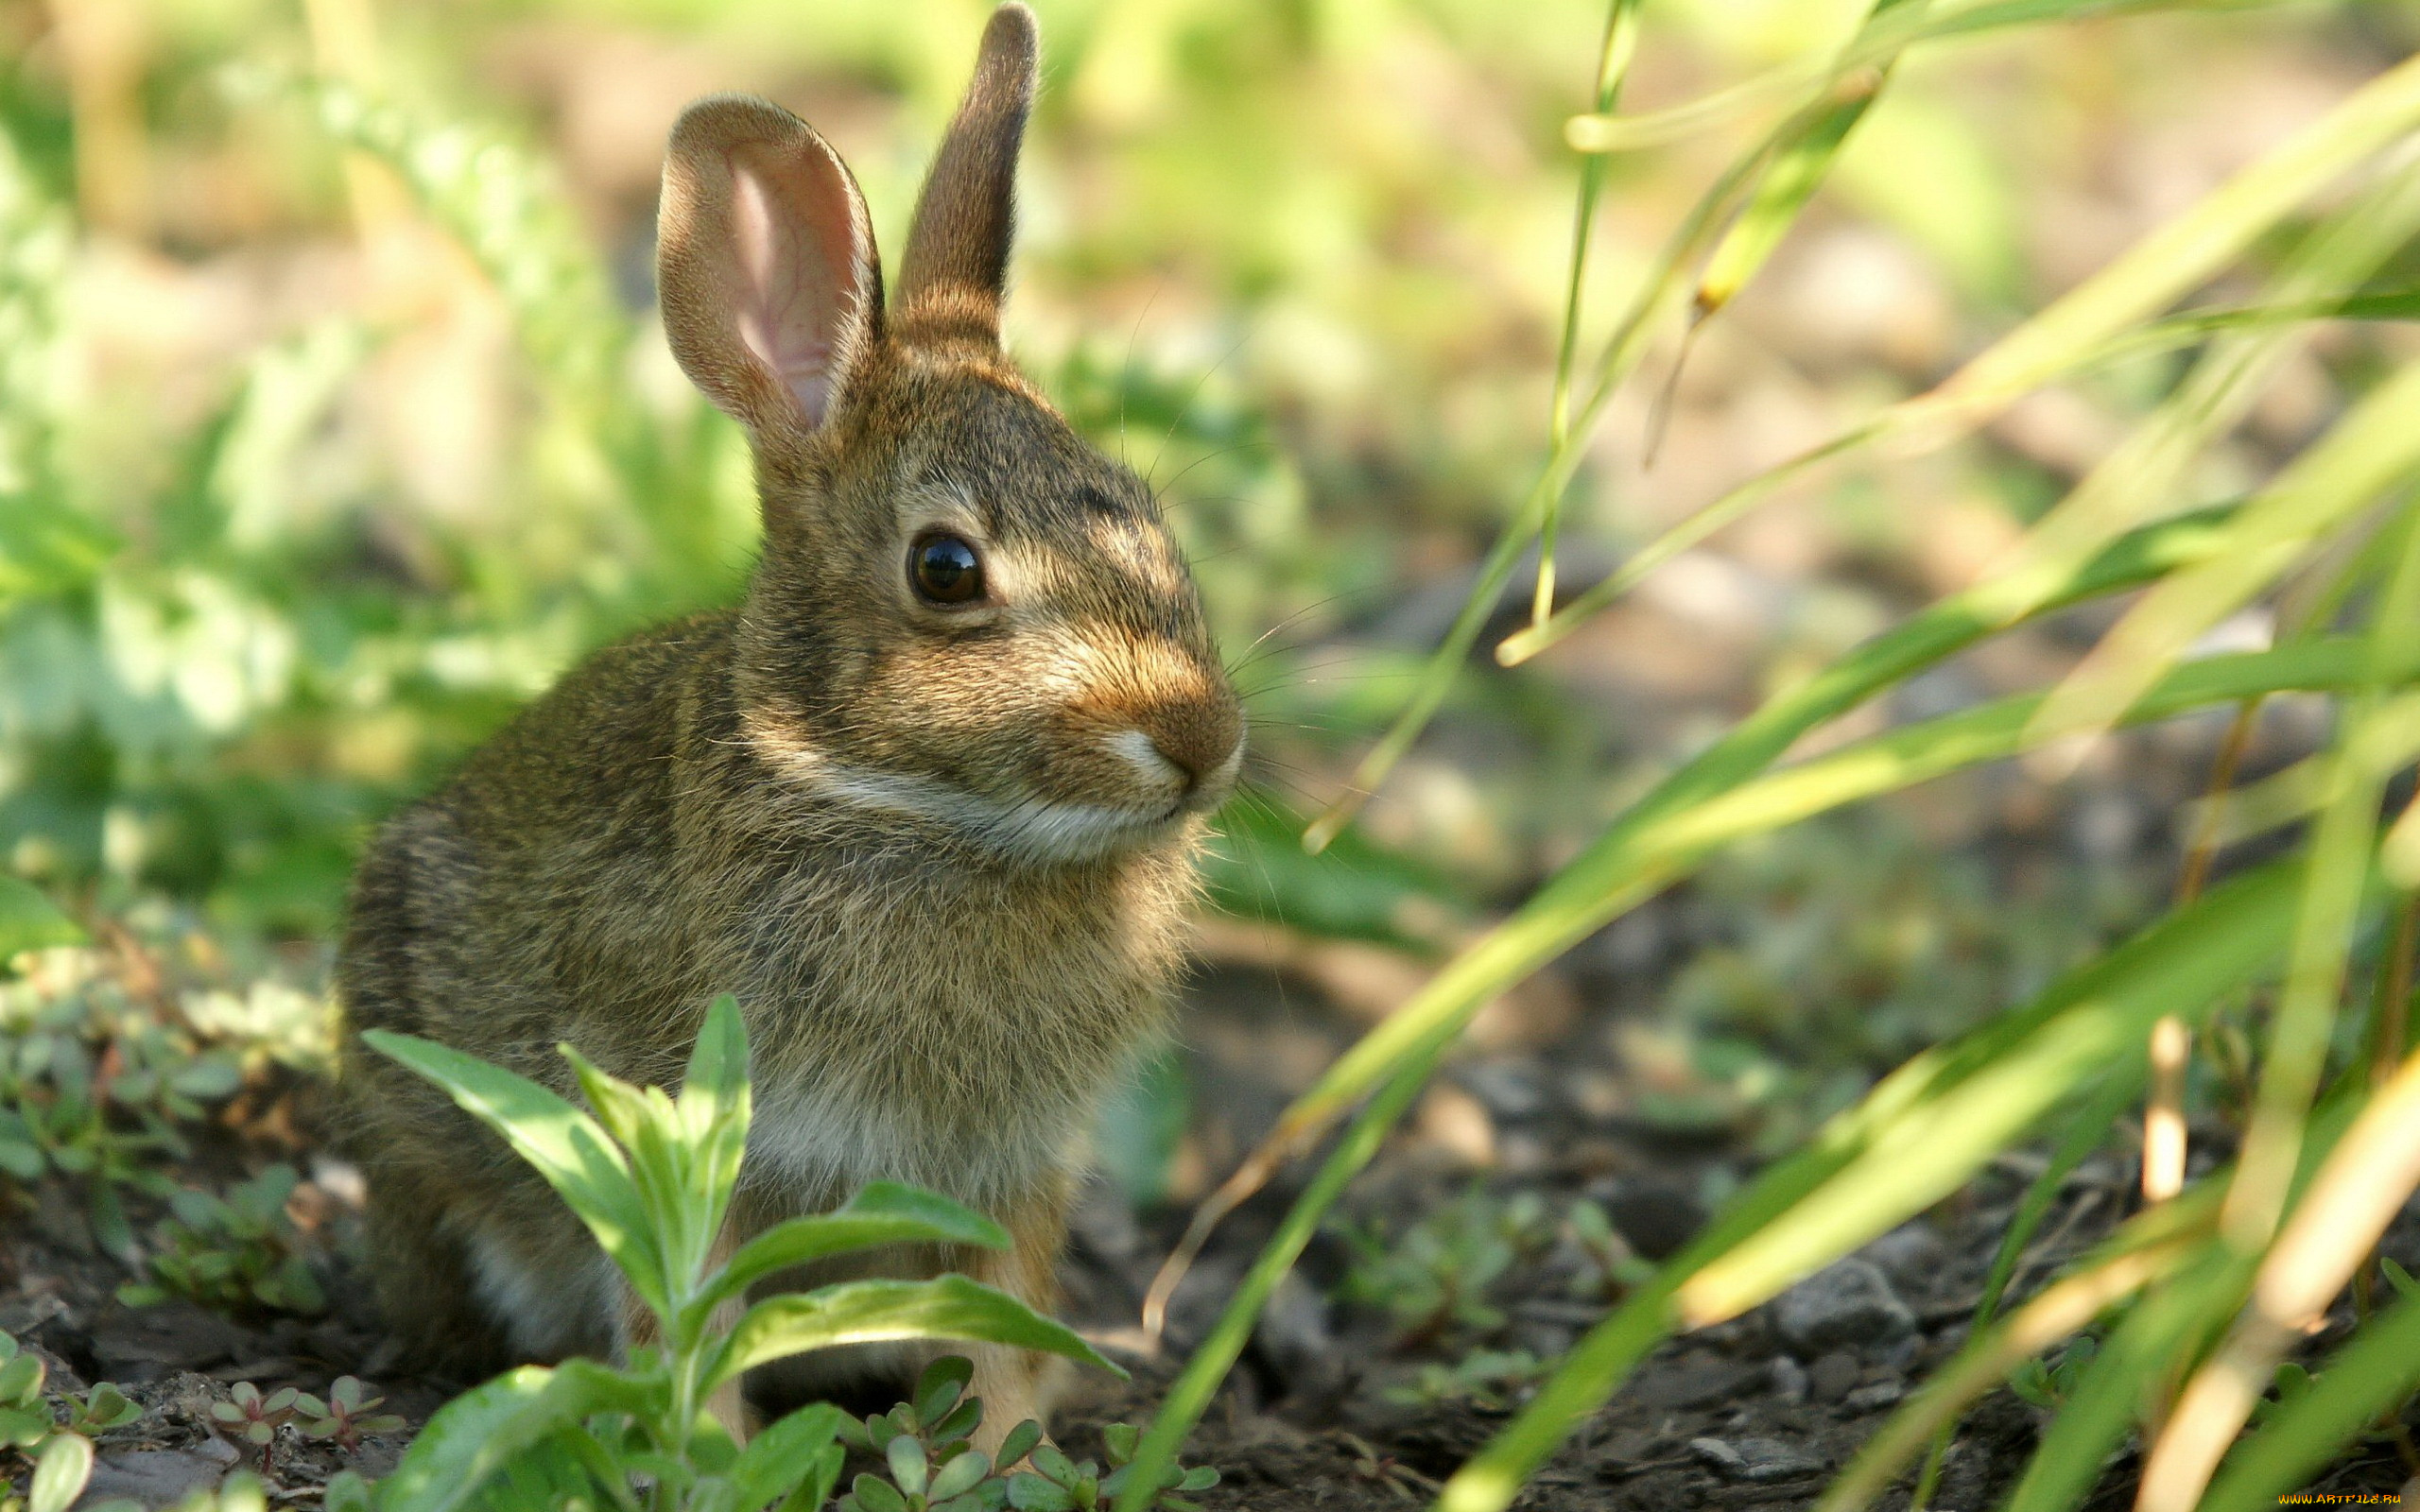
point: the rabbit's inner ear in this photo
(957, 260)
(767, 264)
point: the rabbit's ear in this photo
(766, 260)
(958, 249)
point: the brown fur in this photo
(940, 854)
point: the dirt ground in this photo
(1327, 1410)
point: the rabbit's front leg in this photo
(1015, 1384)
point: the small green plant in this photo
(932, 1465)
(1055, 1484)
(2050, 1387)
(923, 1444)
(1610, 1268)
(651, 1175)
(99, 1410)
(96, 1088)
(348, 1412)
(2290, 1385)
(251, 1419)
(62, 1454)
(1490, 1380)
(237, 1253)
(1435, 1277)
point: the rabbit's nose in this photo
(1200, 740)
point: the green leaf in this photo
(884, 1213)
(714, 1092)
(61, 1469)
(961, 1474)
(560, 1142)
(21, 1160)
(30, 921)
(876, 1495)
(1028, 1492)
(21, 1378)
(1019, 1443)
(785, 1456)
(948, 1307)
(940, 1386)
(905, 1454)
(963, 1420)
(23, 1427)
(481, 1431)
(820, 1478)
(2398, 1278)
(1048, 1459)
(347, 1492)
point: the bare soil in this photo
(1323, 1411)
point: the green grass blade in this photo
(946, 1307)
(2101, 1017)
(2366, 453)
(2139, 478)
(2341, 845)
(1624, 347)
(1873, 1166)
(2115, 1272)
(2086, 1132)
(2372, 1374)
(1189, 1396)
(2187, 250)
(2168, 1325)
(1917, 753)
(2361, 1185)
(2180, 254)
(1880, 37)
(1612, 66)
(1798, 168)
(1616, 869)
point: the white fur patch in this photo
(543, 1316)
(1154, 769)
(1030, 829)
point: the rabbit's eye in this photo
(946, 569)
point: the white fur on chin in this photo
(1030, 830)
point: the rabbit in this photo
(927, 800)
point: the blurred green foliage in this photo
(333, 424)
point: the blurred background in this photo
(335, 423)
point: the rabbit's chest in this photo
(958, 1042)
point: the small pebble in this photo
(1833, 1375)
(1788, 1379)
(1717, 1453)
(1756, 1460)
(1911, 1254)
(1881, 1394)
(1848, 1305)
(1656, 1220)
